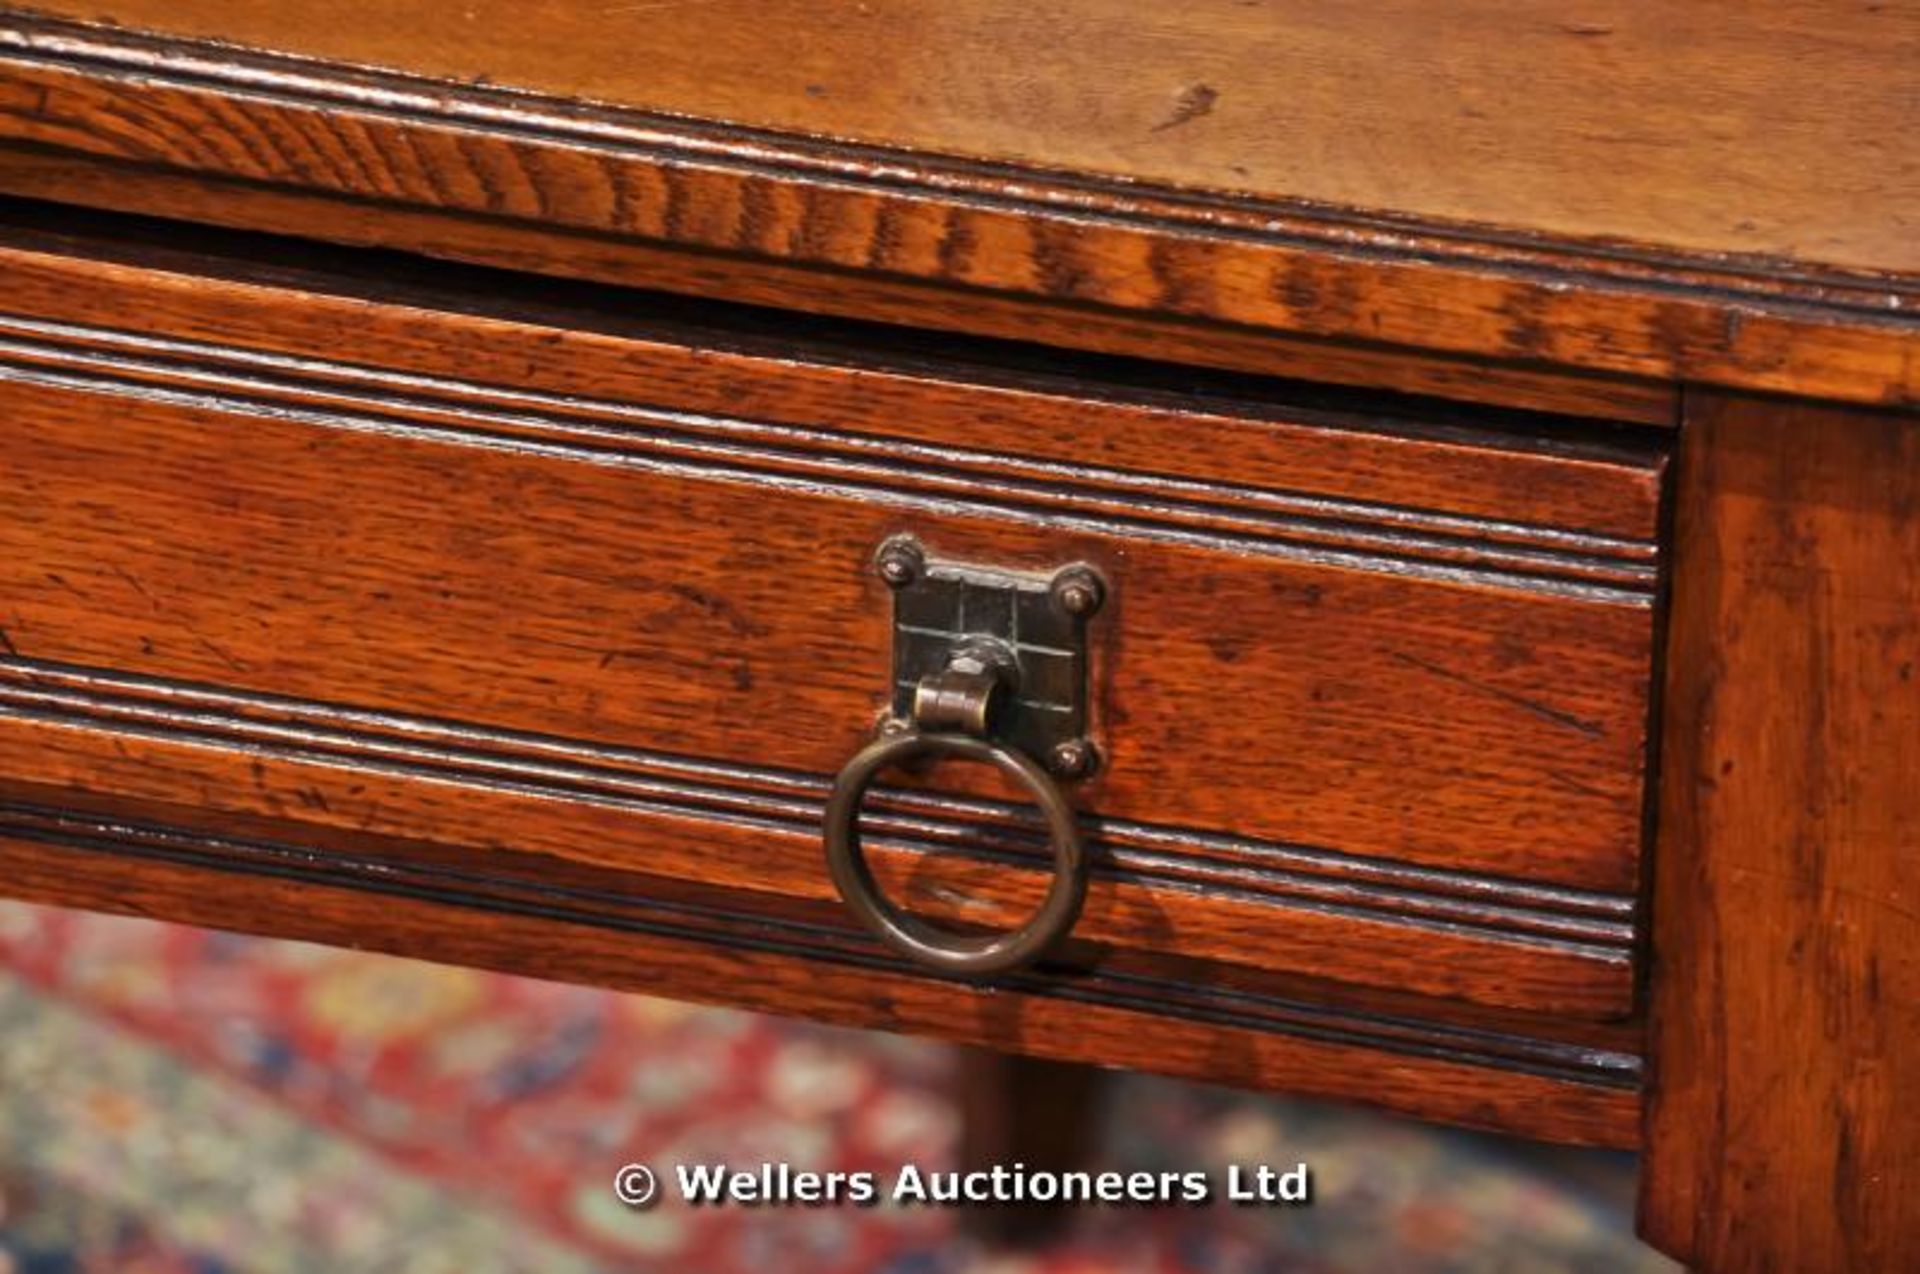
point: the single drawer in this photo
(553, 581)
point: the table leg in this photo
(1783, 1123)
(1026, 1110)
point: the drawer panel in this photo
(441, 565)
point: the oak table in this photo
(1365, 550)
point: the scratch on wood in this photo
(1194, 101)
(1813, 883)
(220, 654)
(616, 10)
(133, 583)
(1554, 715)
(1575, 785)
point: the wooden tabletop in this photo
(1779, 131)
(1709, 193)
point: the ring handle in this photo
(964, 955)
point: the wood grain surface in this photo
(1716, 125)
(653, 942)
(1015, 1109)
(82, 182)
(522, 622)
(1806, 285)
(1782, 1132)
(449, 566)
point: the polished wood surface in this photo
(425, 564)
(1782, 1132)
(1709, 128)
(1511, 290)
(1026, 1110)
(628, 941)
(516, 607)
(802, 291)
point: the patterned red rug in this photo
(175, 1099)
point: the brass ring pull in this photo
(964, 955)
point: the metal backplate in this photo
(941, 608)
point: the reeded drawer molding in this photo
(1225, 898)
(910, 476)
(1591, 922)
(1585, 1065)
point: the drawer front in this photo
(432, 568)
